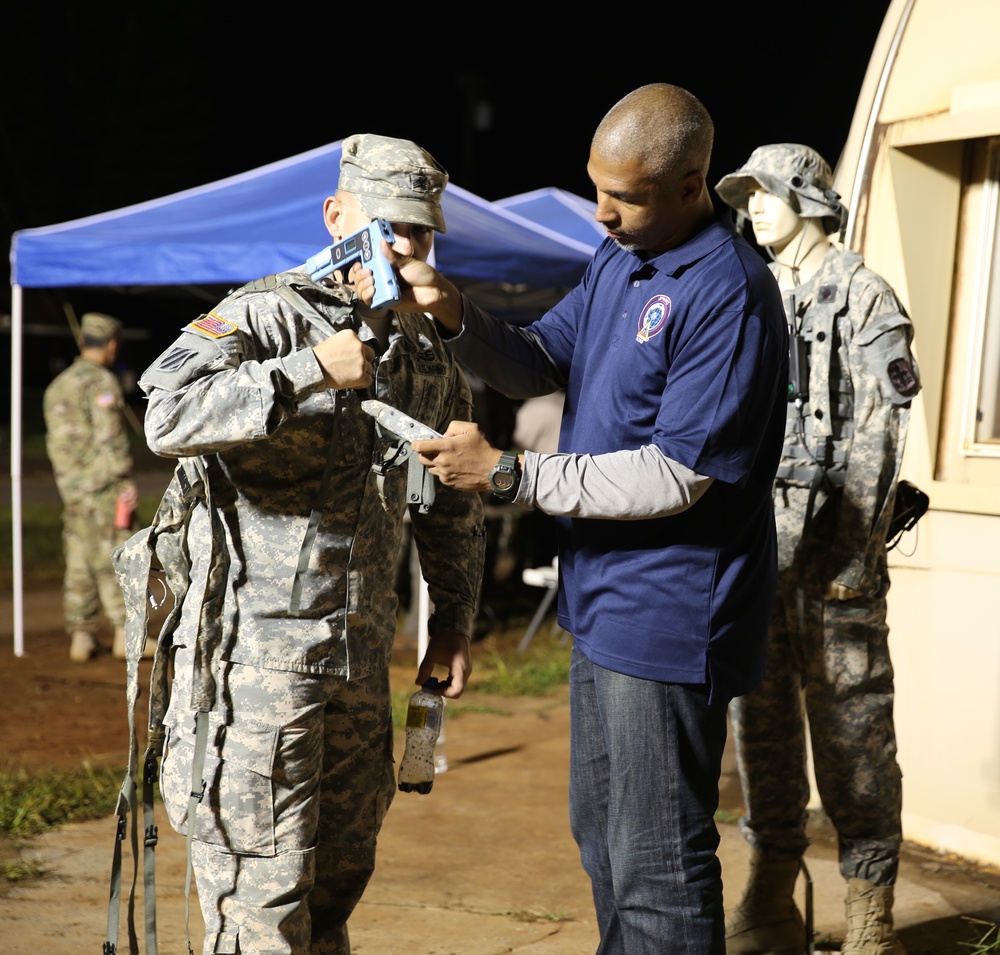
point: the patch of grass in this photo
(41, 541)
(499, 670)
(19, 871)
(987, 939)
(41, 544)
(538, 672)
(33, 803)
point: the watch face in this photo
(502, 480)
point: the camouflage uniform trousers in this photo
(298, 778)
(90, 583)
(837, 665)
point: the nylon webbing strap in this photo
(197, 791)
(819, 478)
(419, 485)
(315, 516)
(420, 488)
(150, 775)
(126, 804)
(131, 561)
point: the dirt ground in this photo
(482, 865)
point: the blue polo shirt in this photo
(687, 351)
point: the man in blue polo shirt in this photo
(673, 353)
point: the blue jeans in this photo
(645, 760)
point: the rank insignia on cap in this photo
(214, 325)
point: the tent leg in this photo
(15, 465)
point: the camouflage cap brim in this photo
(791, 171)
(393, 179)
(399, 209)
(735, 188)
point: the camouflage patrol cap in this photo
(393, 179)
(99, 328)
(795, 173)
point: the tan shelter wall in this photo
(930, 101)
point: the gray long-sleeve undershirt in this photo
(622, 485)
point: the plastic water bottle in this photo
(424, 718)
(440, 755)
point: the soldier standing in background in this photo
(852, 379)
(87, 443)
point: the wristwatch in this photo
(506, 476)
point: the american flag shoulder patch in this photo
(214, 325)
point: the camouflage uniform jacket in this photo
(86, 432)
(852, 427)
(290, 498)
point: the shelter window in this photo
(983, 431)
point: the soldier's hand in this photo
(461, 458)
(129, 494)
(448, 648)
(347, 362)
(422, 288)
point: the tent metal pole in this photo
(16, 332)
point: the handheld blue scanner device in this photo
(363, 246)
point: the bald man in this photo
(673, 355)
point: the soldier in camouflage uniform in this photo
(87, 443)
(284, 637)
(852, 380)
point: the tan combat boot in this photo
(869, 920)
(767, 921)
(82, 646)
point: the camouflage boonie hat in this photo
(393, 179)
(99, 328)
(795, 173)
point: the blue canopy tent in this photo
(566, 213)
(267, 220)
(246, 226)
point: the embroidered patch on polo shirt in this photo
(653, 318)
(214, 325)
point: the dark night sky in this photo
(105, 105)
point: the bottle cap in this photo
(431, 683)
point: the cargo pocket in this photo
(236, 810)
